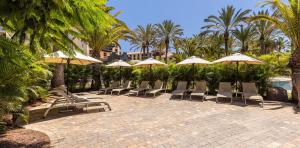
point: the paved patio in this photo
(160, 122)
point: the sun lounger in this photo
(225, 91)
(250, 92)
(68, 101)
(125, 86)
(157, 88)
(142, 88)
(181, 89)
(200, 90)
(110, 88)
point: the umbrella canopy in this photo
(77, 59)
(150, 62)
(119, 63)
(194, 60)
(238, 58)
(135, 61)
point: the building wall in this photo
(103, 54)
(138, 55)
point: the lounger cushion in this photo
(178, 92)
(224, 95)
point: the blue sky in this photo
(187, 13)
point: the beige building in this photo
(104, 54)
(139, 55)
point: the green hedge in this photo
(213, 74)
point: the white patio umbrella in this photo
(76, 59)
(237, 59)
(193, 60)
(150, 63)
(119, 64)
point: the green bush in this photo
(275, 64)
(23, 79)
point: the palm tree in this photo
(144, 38)
(190, 47)
(227, 20)
(168, 32)
(244, 35)
(288, 22)
(280, 43)
(265, 30)
(101, 39)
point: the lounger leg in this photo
(46, 112)
(217, 100)
(203, 98)
(262, 103)
(137, 94)
(245, 101)
(191, 97)
(231, 100)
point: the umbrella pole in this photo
(236, 79)
(193, 66)
(120, 75)
(68, 64)
(150, 73)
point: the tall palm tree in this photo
(225, 22)
(144, 38)
(101, 39)
(265, 30)
(244, 35)
(289, 23)
(280, 43)
(168, 32)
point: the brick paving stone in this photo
(161, 122)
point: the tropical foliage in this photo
(35, 28)
(287, 20)
(226, 22)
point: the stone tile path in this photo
(160, 122)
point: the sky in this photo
(190, 14)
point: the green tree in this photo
(100, 39)
(289, 23)
(244, 35)
(168, 32)
(144, 38)
(225, 22)
(265, 30)
(47, 26)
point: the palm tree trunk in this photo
(147, 52)
(295, 65)
(226, 39)
(160, 53)
(243, 47)
(58, 74)
(143, 52)
(96, 74)
(167, 50)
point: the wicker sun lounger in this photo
(200, 90)
(158, 87)
(142, 88)
(181, 89)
